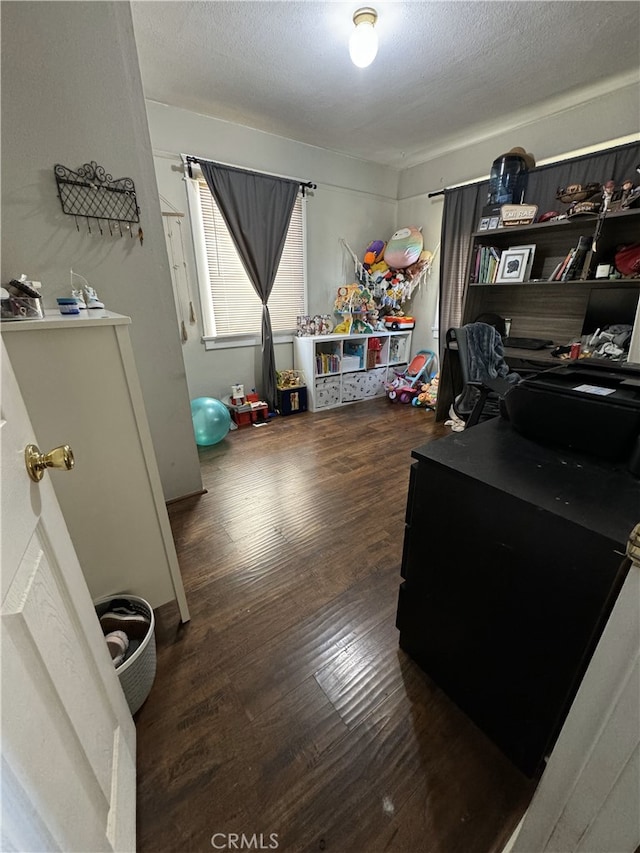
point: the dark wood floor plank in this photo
(286, 706)
(364, 673)
(292, 656)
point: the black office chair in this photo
(485, 375)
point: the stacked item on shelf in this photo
(327, 363)
(571, 266)
(352, 356)
(485, 264)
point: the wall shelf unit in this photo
(537, 307)
(335, 366)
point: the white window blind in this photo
(235, 308)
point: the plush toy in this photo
(404, 247)
(428, 393)
(432, 390)
(414, 270)
(378, 270)
(422, 399)
(373, 254)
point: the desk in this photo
(513, 556)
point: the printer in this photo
(589, 405)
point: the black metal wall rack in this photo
(91, 192)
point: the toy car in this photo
(399, 323)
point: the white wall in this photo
(355, 201)
(566, 129)
(71, 93)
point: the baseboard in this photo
(197, 494)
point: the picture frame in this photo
(488, 223)
(532, 250)
(513, 266)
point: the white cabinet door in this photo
(68, 739)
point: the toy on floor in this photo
(408, 384)
(211, 420)
(428, 395)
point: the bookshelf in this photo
(538, 306)
(341, 369)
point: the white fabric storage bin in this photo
(138, 672)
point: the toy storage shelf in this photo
(339, 372)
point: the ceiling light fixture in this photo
(363, 44)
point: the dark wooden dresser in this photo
(513, 557)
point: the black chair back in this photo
(484, 374)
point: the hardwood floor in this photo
(286, 706)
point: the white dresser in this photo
(79, 381)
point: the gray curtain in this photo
(463, 208)
(257, 211)
(459, 220)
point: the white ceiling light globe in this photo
(363, 44)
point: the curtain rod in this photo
(189, 159)
(551, 162)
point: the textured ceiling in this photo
(445, 71)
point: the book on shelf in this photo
(485, 265)
(326, 363)
(555, 272)
(559, 272)
(571, 266)
(568, 265)
(574, 269)
(475, 264)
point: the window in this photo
(230, 306)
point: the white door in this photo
(68, 739)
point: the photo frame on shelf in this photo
(532, 251)
(513, 266)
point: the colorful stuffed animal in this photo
(373, 254)
(404, 247)
(428, 394)
(378, 270)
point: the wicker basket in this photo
(138, 672)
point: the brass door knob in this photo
(36, 462)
